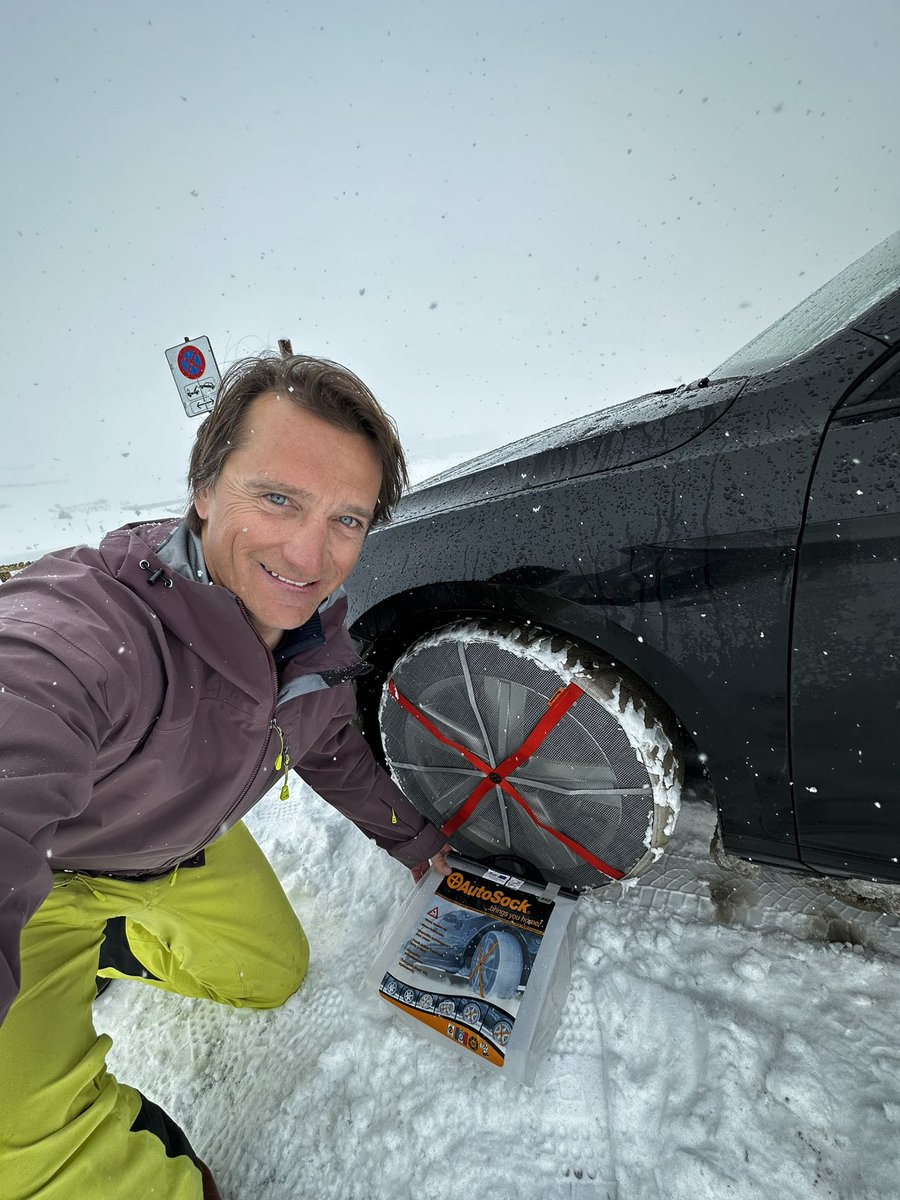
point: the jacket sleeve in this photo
(50, 727)
(343, 770)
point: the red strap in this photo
(582, 852)
(558, 706)
(462, 814)
(433, 730)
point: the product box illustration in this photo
(483, 960)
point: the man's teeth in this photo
(295, 582)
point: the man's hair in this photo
(320, 387)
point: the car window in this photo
(880, 392)
(839, 303)
(889, 392)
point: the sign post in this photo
(196, 375)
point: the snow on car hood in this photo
(643, 428)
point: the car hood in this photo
(628, 433)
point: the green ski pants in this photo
(68, 1129)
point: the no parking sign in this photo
(196, 375)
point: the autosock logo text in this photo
(470, 891)
(457, 882)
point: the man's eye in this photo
(350, 522)
(277, 499)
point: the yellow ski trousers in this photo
(68, 1130)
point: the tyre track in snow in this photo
(701, 1059)
(689, 884)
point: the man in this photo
(151, 691)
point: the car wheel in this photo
(496, 967)
(501, 1032)
(524, 747)
(472, 1014)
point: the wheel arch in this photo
(390, 627)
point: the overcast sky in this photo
(501, 215)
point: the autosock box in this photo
(483, 960)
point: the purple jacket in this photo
(141, 716)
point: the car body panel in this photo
(846, 650)
(616, 437)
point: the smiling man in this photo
(151, 692)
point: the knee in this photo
(294, 967)
(284, 975)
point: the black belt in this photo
(196, 860)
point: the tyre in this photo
(529, 751)
(495, 970)
(501, 1032)
(472, 1014)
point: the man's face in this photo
(285, 521)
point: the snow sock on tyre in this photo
(522, 746)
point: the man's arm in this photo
(344, 772)
(50, 728)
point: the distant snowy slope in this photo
(34, 520)
(39, 513)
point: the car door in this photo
(845, 653)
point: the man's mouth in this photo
(297, 583)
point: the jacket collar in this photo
(182, 551)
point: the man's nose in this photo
(307, 549)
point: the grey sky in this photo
(500, 214)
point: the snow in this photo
(704, 1051)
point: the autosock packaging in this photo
(482, 959)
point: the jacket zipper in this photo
(269, 727)
(283, 761)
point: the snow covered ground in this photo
(712, 1046)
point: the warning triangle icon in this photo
(434, 912)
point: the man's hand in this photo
(439, 861)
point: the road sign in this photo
(191, 362)
(193, 367)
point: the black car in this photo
(703, 580)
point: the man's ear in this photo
(201, 502)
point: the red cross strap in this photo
(557, 707)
